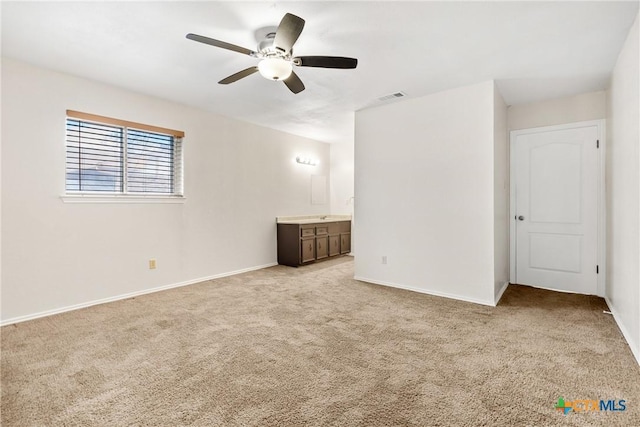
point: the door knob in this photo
(521, 218)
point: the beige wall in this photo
(578, 108)
(238, 178)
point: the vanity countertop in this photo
(311, 219)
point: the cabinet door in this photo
(345, 243)
(307, 250)
(322, 247)
(334, 245)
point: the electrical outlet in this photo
(384, 259)
(152, 264)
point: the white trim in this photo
(505, 285)
(601, 238)
(602, 209)
(428, 292)
(129, 295)
(634, 346)
(120, 198)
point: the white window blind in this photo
(115, 156)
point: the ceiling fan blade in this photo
(239, 75)
(325, 61)
(218, 43)
(294, 83)
(288, 32)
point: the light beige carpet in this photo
(311, 346)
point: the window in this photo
(106, 155)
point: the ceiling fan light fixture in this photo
(275, 68)
(275, 53)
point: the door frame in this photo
(601, 196)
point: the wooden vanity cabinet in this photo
(334, 238)
(345, 243)
(345, 237)
(300, 244)
(322, 242)
(307, 243)
(307, 250)
(334, 245)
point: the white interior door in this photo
(556, 209)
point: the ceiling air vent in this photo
(386, 99)
(392, 96)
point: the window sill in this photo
(121, 198)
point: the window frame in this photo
(125, 196)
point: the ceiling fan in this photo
(276, 55)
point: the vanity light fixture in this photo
(306, 161)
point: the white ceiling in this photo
(534, 50)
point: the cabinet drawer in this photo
(322, 230)
(308, 232)
(334, 227)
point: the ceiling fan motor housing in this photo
(266, 45)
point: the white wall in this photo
(578, 108)
(623, 191)
(238, 178)
(342, 161)
(424, 182)
(501, 163)
(342, 194)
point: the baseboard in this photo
(633, 345)
(129, 295)
(505, 285)
(428, 292)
